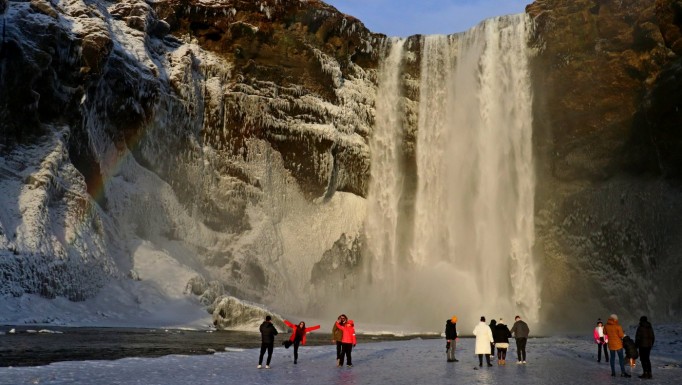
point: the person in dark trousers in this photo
(521, 331)
(601, 340)
(348, 342)
(451, 338)
(484, 337)
(297, 336)
(644, 340)
(501, 336)
(492, 325)
(337, 336)
(631, 353)
(268, 333)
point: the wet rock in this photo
(44, 7)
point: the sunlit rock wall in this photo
(607, 128)
(232, 135)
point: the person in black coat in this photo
(451, 338)
(501, 335)
(268, 333)
(644, 340)
(492, 325)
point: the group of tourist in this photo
(496, 336)
(612, 337)
(489, 338)
(343, 334)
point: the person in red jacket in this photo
(348, 342)
(298, 334)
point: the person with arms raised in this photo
(297, 336)
(348, 342)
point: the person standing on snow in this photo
(337, 336)
(520, 331)
(451, 337)
(601, 339)
(484, 337)
(348, 342)
(297, 336)
(630, 349)
(501, 336)
(492, 325)
(268, 333)
(644, 340)
(615, 334)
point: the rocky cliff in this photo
(204, 125)
(606, 123)
(232, 137)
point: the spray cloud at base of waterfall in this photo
(472, 228)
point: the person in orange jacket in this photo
(615, 335)
(297, 336)
(348, 342)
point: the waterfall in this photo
(473, 226)
(386, 175)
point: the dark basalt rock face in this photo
(607, 140)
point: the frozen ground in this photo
(564, 360)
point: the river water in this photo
(29, 346)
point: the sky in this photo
(410, 17)
(560, 360)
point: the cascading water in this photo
(387, 176)
(473, 227)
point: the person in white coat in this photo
(484, 337)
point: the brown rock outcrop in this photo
(606, 130)
(279, 48)
(598, 58)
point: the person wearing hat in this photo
(615, 335)
(601, 340)
(644, 340)
(451, 337)
(501, 336)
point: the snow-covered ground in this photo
(564, 360)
